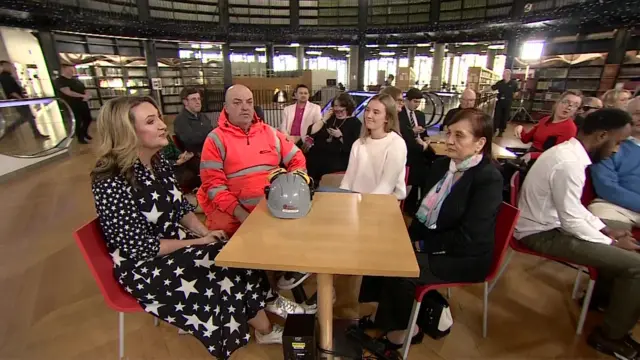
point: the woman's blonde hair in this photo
(611, 96)
(391, 114)
(117, 139)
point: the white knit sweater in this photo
(377, 166)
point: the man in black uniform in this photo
(13, 90)
(76, 95)
(506, 88)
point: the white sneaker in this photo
(274, 337)
(282, 307)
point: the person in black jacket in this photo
(452, 231)
(332, 138)
(410, 115)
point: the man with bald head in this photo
(467, 101)
(237, 158)
(617, 180)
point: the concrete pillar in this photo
(270, 55)
(436, 71)
(491, 58)
(411, 54)
(300, 57)
(356, 67)
(512, 50)
(450, 75)
(226, 66)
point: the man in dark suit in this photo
(413, 131)
(410, 115)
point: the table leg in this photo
(325, 311)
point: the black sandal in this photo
(366, 323)
(415, 340)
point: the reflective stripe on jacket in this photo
(235, 165)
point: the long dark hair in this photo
(481, 125)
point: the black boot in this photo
(618, 348)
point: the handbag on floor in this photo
(435, 315)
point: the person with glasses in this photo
(191, 125)
(554, 129)
(589, 105)
(329, 141)
(467, 101)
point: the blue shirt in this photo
(617, 179)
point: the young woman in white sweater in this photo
(377, 160)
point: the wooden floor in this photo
(50, 307)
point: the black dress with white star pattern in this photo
(183, 288)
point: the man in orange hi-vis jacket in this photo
(236, 160)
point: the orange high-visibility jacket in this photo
(234, 169)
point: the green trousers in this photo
(621, 267)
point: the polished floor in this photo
(51, 308)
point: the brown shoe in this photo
(617, 348)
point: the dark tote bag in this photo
(435, 315)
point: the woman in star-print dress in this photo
(163, 255)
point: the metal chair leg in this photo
(412, 322)
(585, 306)
(156, 322)
(121, 335)
(505, 263)
(576, 284)
(485, 309)
(448, 293)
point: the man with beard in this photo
(554, 222)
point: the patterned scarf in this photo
(430, 206)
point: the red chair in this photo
(91, 243)
(505, 225)
(516, 246)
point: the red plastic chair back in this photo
(589, 192)
(514, 190)
(90, 240)
(505, 226)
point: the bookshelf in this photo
(109, 76)
(629, 74)
(197, 65)
(481, 79)
(550, 76)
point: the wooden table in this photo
(440, 148)
(347, 234)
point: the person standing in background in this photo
(506, 87)
(13, 90)
(297, 118)
(76, 95)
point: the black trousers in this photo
(501, 114)
(319, 164)
(395, 296)
(188, 174)
(82, 114)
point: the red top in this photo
(538, 135)
(297, 120)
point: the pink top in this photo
(297, 120)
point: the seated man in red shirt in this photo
(554, 129)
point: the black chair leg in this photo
(299, 294)
(313, 299)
